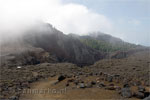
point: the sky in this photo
(130, 19)
(126, 19)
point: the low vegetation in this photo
(106, 46)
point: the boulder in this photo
(147, 83)
(100, 73)
(139, 95)
(126, 92)
(116, 75)
(61, 77)
(33, 79)
(93, 83)
(101, 84)
(80, 73)
(91, 74)
(141, 89)
(95, 73)
(110, 88)
(126, 86)
(70, 80)
(138, 83)
(147, 98)
(111, 85)
(81, 85)
(13, 98)
(76, 82)
(67, 84)
(109, 78)
(146, 94)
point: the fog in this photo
(18, 15)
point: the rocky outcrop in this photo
(29, 56)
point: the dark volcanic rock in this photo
(14, 98)
(76, 82)
(139, 95)
(147, 98)
(101, 84)
(70, 80)
(109, 78)
(126, 86)
(110, 87)
(146, 94)
(147, 83)
(126, 92)
(141, 89)
(67, 84)
(61, 77)
(93, 83)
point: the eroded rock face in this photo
(29, 56)
(65, 48)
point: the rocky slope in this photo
(122, 78)
(46, 43)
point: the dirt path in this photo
(55, 92)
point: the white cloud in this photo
(69, 18)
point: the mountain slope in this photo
(57, 44)
(106, 43)
(64, 47)
(43, 43)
